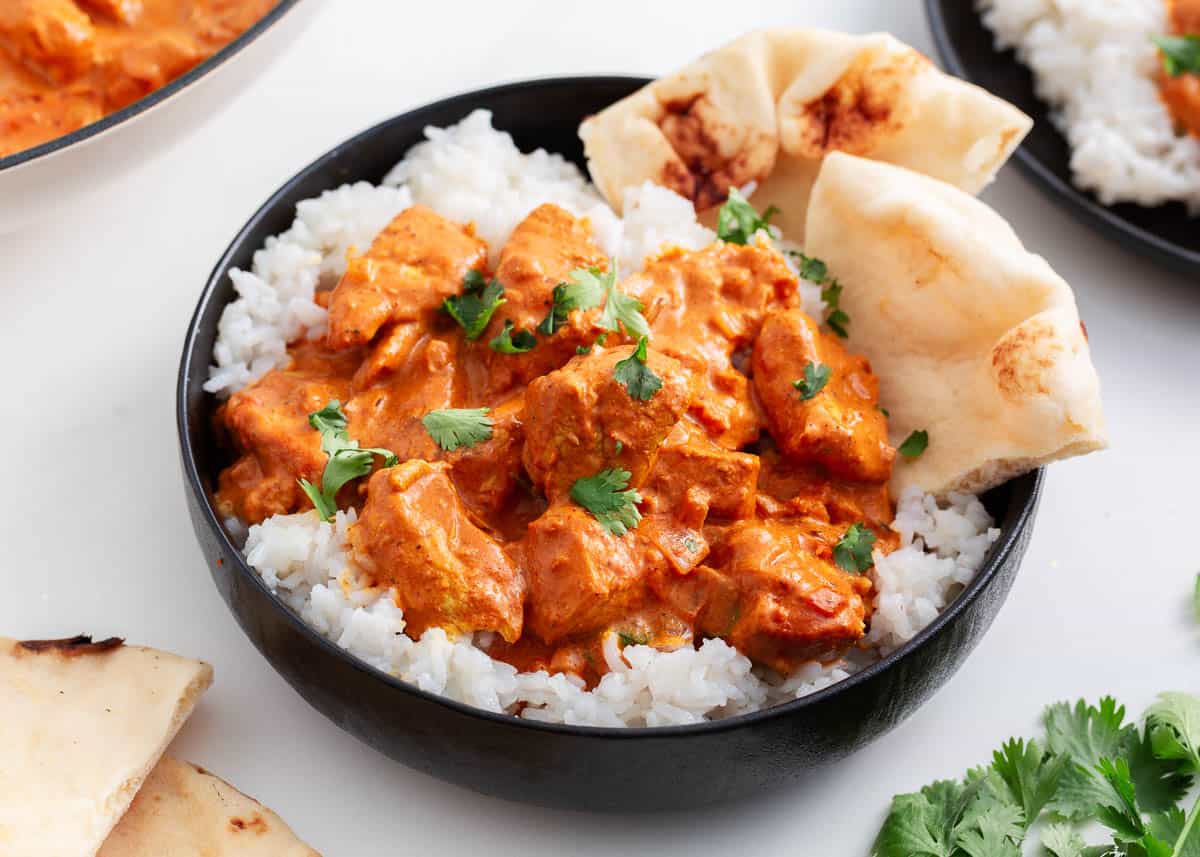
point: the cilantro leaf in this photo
(1084, 734)
(1160, 783)
(837, 319)
(346, 460)
(473, 309)
(629, 638)
(1060, 840)
(610, 500)
(452, 428)
(638, 379)
(914, 445)
(738, 220)
(1174, 723)
(816, 376)
(510, 341)
(991, 829)
(585, 289)
(1181, 54)
(853, 552)
(917, 826)
(1172, 826)
(1119, 811)
(811, 268)
(620, 310)
(1030, 773)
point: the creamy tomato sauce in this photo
(1181, 93)
(66, 63)
(745, 483)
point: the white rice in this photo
(1094, 62)
(471, 172)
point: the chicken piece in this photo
(767, 593)
(580, 420)
(412, 266)
(268, 424)
(388, 413)
(541, 253)
(491, 479)
(54, 38)
(124, 11)
(694, 472)
(791, 490)
(840, 426)
(414, 534)
(147, 64)
(581, 577)
(705, 307)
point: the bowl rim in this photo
(146, 102)
(1083, 203)
(997, 555)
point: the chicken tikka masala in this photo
(67, 63)
(554, 457)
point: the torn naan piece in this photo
(81, 725)
(974, 339)
(184, 811)
(770, 106)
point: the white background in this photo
(93, 309)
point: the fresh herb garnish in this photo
(620, 310)
(638, 379)
(510, 341)
(628, 638)
(1094, 767)
(1181, 54)
(853, 552)
(811, 268)
(914, 445)
(610, 500)
(816, 376)
(816, 271)
(454, 427)
(884, 411)
(584, 289)
(346, 460)
(738, 220)
(473, 309)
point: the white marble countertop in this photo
(93, 310)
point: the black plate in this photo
(1165, 233)
(565, 766)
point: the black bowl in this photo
(554, 765)
(1165, 233)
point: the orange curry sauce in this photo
(746, 486)
(1181, 93)
(66, 63)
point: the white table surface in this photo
(96, 535)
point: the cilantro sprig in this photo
(1092, 767)
(452, 428)
(583, 290)
(853, 553)
(1180, 54)
(474, 308)
(609, 498)
(816, 271)
(816, 376)
(913, 445)
(511, 341)
(346, 460)
(638, 379)
(738, 220)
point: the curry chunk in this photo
(540, 254)
(767, 592)
(705, 308)
(581, 577)
(415, 535)
(267, 423)
(693, 472)
(125, 11)
(54, 38)
(414, 264)
(838, 426)
(580, 420)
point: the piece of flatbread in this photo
(768, 107)
(81, 725)
(184, 811)
(974, 339)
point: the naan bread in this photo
(184, 811)
(974, 339)
(81, 725)
(770, 106)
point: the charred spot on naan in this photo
(1022, 359)
(254, 824)
(714, 153)
(71, 647)
(861, 108)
